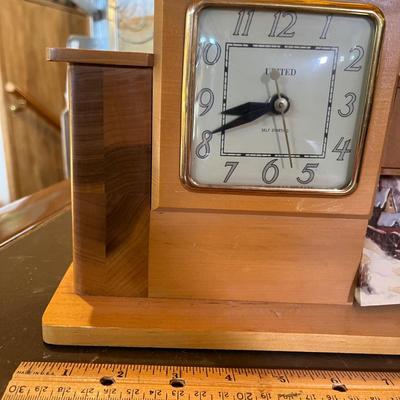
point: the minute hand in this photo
(246, 117)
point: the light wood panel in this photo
(123, 321)
(168, 191)
(256, 258)
(111, 160)
(23, 215)
(26, 29)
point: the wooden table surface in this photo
(32, 266)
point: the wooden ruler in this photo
(71, 381)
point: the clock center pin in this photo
(281, 104)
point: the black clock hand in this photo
(246, 107)
(254, 113)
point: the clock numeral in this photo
(285, 32)
(350, 104)
(203, 148)
(310, 173)
(206, 100)
(232, 165)
(359, 52)
(275, 172)
(326, 26)
(239, 22)
(342, 150)
(211, 53)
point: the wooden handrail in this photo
(34, 105)
(25, 214)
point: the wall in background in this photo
(4, 188)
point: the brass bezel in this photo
(188, 87)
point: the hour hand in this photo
(243, 119)
(246, 108)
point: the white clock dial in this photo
(279, 98)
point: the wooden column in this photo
(111, 151)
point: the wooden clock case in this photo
(161, 265)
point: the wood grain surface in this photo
(126, 321)
(22, 215)
(111, 153)
(252, 257)
(82, 56)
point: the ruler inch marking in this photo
(82, 382)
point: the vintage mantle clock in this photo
(221, 191)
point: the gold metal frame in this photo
(188, 96)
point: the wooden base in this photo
(72, 319)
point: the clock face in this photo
(278, 98)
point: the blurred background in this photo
(34, 143)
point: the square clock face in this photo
(277, 98)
